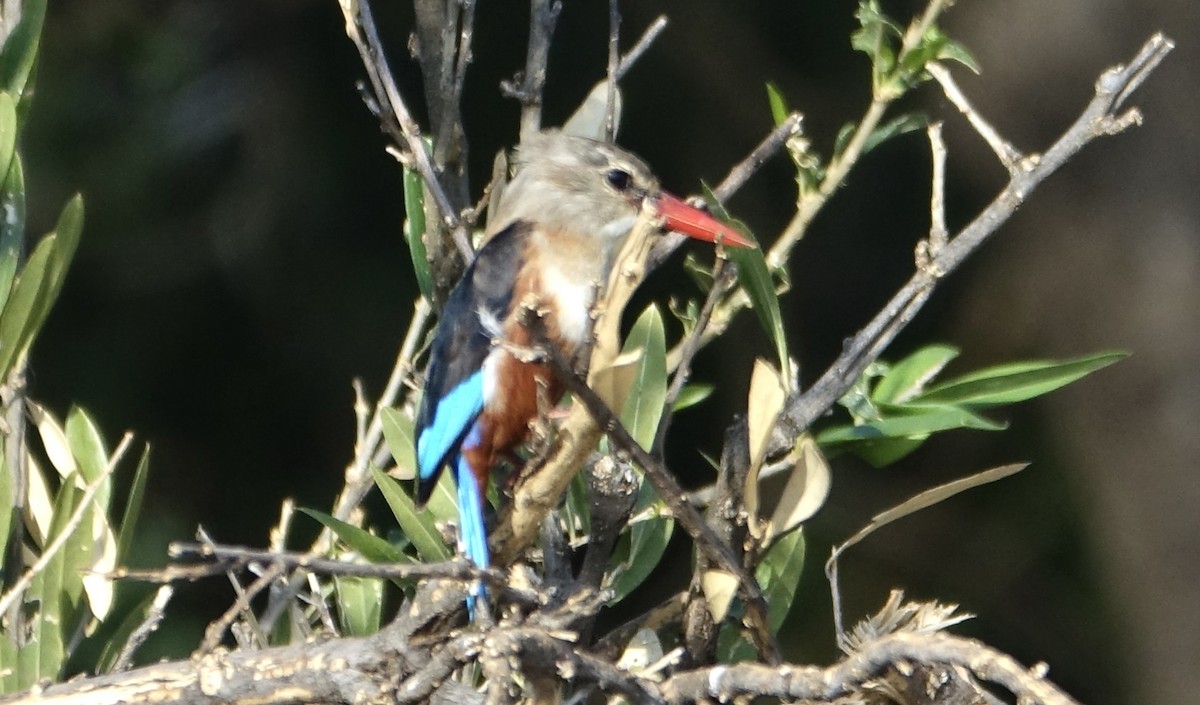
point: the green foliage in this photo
(895, 66)
(894, 409)
(414, 229)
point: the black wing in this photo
(460, 345)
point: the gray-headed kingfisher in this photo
(559, 225)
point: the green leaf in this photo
(692, 394)
(43, 655)
(8, 131)
(894, 128)
(120, 636)
(66, 241)
(639, 554)
(414, 229)
(877, 37)
(19, 310)
(133, 506)
(398, 433)
(12, 226)
(20, 52)
(844, 135)
(648, 392)
(778, 575)
(908, 377)
(88, 449)
(1013, 382)
(920, 423)
(779, 108)
(369, 546)
(756, 279)
(418, 526)
(360, 603)
(953, 51)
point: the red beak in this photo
(693, 222)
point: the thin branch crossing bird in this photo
(559, 225)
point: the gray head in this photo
(575, 185)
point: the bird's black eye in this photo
(618, 179)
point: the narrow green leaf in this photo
(88, 449)
(133, 506)
(8, 131)
(9, 674)
(756, 279)
(640, 551)
(43, 656)
(895, 127)
(12, 226)
(779, 576)
(19, 309)
(6, 513)
(644, 403)
(414, 229)
(369, 546)
(66, 241)
(927, 421)
(360, 603)
(1005, 384)
(116, 641)
(418, 526)
(693, 394)
(779, 108)
(908, 377)
(398, 433)
(953, 51)
(19, 56)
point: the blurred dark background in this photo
(242, 262)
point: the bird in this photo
(557, 228)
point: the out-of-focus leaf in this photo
(43, 654)
(417, 526)
(876, 37)
(908, 377)
(953, 51)
(133, 618)
(39, 508)
(1005, 384)
(19, 56)
(692, 394)
(762, 407)
(647, 541)
(720, 587)
(8, 132)
(589, 119)
(12, 226)
(942, 418)
(698, 271)
(102, 561)
(88, 449)
(6, 501)
(644, 649)
(19, 309)
(66, 236)
(133, 506)
(895, 127)
(648, 392)
(359, 602)
(779, 576)
(805, 492)
(368, 545)
(844, 135)
(54, 441)
(398, 433)
(925, 499)
(779, 108)
(414, 229)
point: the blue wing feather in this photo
(454, 383)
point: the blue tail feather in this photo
(472, 535)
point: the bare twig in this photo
(143, 631)
(643, 43)
(1008, 155)
(614, 61)
(395, 118)
(543, 15)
